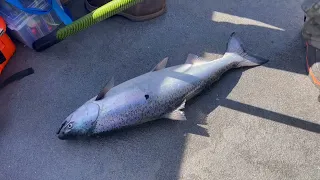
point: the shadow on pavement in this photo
(270, 115)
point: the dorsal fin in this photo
(107, 88)
(194, 59)
(161, 65)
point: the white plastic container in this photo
(25, 27)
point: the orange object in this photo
(311, 74)
(7, 48)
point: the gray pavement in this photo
(259, 123)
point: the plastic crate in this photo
(25, 27)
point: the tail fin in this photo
(235, 46)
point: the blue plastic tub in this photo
(28, 27)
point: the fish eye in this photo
(69, 125)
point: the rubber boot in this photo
(146, 10)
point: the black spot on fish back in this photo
(146, 96)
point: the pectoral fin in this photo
(107, 88)
(161, 65)
(183, 105)
(177, 114)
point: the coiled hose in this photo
(111, 8)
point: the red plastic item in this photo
(7, 48)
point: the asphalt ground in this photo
(258, 123)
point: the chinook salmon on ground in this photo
(161, 93)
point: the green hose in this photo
(112, 8)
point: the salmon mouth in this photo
(61, 127)
(61, 132)
(63, 136)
